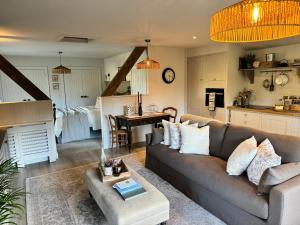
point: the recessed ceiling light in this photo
(194, 37)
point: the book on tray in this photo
(129, 188)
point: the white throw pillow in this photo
(167, 134)
(175, 134)
(264, 159)
(241, 157)
(194, 140)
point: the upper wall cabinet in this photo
(215, 67)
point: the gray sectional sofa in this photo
(231, 198)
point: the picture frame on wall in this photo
(55, 78)
(55, 86)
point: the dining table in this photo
(130, 121)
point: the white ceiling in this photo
(33, 27)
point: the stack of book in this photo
(129, 188)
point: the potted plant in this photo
(9, 195)
(250, 58)
(107, 169)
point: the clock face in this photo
(168, 75)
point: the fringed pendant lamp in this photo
(256, 20)
(148, 63)
(61, 69)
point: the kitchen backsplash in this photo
(262, 96)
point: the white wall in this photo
(265, 97)
(49, 62)
(160, 93)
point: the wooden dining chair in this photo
(172, 111)
(118, 136)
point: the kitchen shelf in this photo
(250, 72)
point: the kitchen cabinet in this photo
(249, 119)
(214, 67)
(279, 124)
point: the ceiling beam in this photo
(14, 74)
(124, 70)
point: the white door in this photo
(82, 86)
(195, 84)
(12, 92)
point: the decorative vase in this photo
(102, 158)
(140, 110)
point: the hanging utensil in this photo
(272, 83)
(266, 83)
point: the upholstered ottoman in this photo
(149, 208)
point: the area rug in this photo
(62, 198)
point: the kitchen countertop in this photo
(266, 109)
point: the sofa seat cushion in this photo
(210, 173)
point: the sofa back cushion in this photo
(288, 147)
(216, 135)
(202, 121)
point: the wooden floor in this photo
(70, 155)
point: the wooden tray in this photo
(123, 175)
(295, 108)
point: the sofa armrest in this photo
(284, 205)
(148, 139)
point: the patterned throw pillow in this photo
(175, 134)
(167, 135)
(264, 159)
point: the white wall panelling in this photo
(82, 82)
(138, 78)
(11, 92)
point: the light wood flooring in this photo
(70, 155)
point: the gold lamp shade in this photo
(256, 20)
(61, 69)
(148, 63)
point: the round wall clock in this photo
(168, 75)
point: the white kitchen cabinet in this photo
(214, 67)
(248, 119)
(279, 124)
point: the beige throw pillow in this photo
(264, 159)
(241, 157)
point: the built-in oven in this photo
(218, 99)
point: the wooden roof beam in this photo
(124, 70)
(14, 74)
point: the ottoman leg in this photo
(163, 223)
